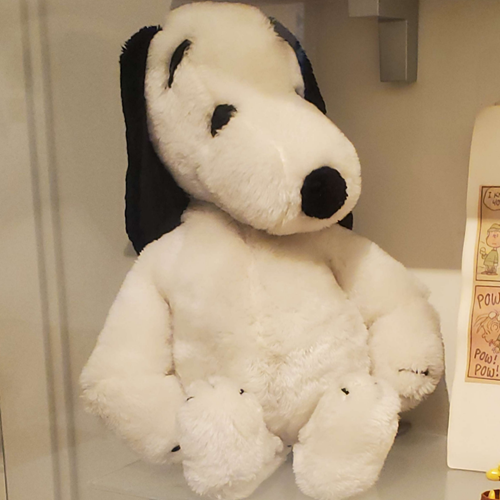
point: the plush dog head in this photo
(222, 105)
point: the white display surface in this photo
(415, 470)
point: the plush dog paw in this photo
(343, 447)
(414, 384)
(407, 351)
(227, 448)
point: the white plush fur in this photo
(238, 453)
(337, 455)
(249, 293)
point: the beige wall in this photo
(25, 392)
(413, 140)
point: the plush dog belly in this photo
(264, 311)
(289, 388)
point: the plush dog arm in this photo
(129, 378)
(405, 340)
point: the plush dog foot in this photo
(343, 447)
(227, 448)
(407, 351)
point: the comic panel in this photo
(487, 251)
(484, 335)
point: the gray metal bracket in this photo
(398, 36)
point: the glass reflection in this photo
(3, 481)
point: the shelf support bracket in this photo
(398, 36)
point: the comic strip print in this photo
(484, 345)
(484, 323)
(487, 255)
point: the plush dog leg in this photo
(227, 448)
(342, 448)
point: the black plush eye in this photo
(345, 391)
(221, 116)
(176, 59)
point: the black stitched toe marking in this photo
(345, 391)
(242, 391)
(416, 372)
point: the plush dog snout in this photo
(323, 193)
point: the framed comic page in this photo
(473, 442)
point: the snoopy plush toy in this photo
(252, 325)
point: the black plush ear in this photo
(311, 89)
(154, 202)
(347, 221)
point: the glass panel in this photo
(3, 478)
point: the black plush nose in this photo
(323, 193)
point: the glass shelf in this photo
(415, 470)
